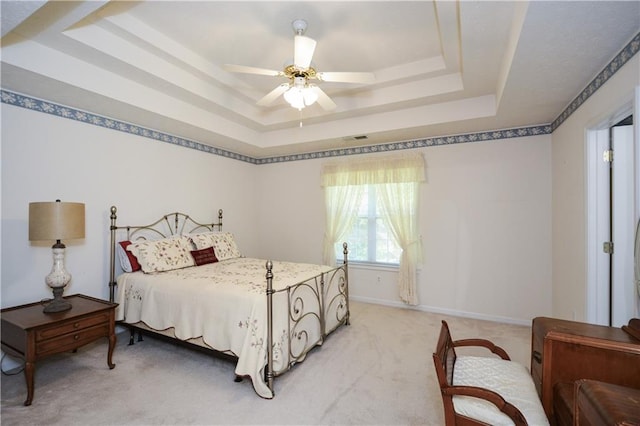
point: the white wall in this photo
(485, 224)
(46, 157)
(569, 189)
(487, 229)
(291, 211)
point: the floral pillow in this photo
(223, 244)
(163, 255)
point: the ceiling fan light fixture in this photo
(300, 97)
(294, 97)
(300, 94)
(309, 95)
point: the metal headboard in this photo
(175, 223)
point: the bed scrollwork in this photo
(168, 225)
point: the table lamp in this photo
(56, 221)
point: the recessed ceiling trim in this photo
(182, 55)
(97, 80)
(130, 55)
(448, 18)
(427, 87)
(466, 109)
(519, 15)
(42, 60)
(412, 69)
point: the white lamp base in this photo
(57, 279)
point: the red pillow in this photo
(204, 256)
(133, 261)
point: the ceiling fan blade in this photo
(303, 49)
(323, 99)
(347, 77)
(273, 95)
(251, 70)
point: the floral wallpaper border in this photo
(46, 107)
(416, 143)
(24, 101)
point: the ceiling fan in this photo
(299, 92)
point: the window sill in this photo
(370, 266)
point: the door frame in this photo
(597, 299)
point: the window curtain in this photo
(397, 179)
(341, 208)
(400, 204)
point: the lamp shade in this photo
(56, 221)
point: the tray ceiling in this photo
(442, 68)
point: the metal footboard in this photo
(319, 304)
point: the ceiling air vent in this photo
(355, 138)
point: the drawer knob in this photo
(537, 357)
(76, 337)
(76, 325)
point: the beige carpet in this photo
(378, 370)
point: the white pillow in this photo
(125, 264)
(223, 243)
(163, 255)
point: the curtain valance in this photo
(374, 170)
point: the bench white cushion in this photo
(509, 379)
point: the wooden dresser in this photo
(565, 351)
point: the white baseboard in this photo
(435, 310)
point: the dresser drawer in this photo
(71, 326)
(537, 354)
(71, 340)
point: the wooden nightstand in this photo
(29, 333)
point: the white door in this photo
(623, 292)
(612, 298)
(598, 228)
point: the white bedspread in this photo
(224, 303)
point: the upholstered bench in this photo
(484, 390)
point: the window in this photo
(369, 239)
(382, 227)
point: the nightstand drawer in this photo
(72, 340)
(71, 326)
